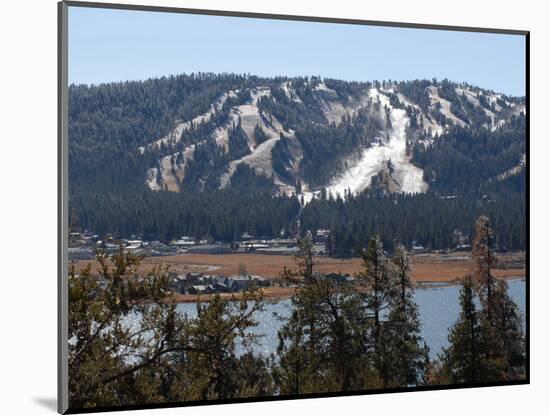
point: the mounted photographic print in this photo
(261, 207)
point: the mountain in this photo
(157, 146)
(369, 131)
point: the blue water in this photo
(438, 307)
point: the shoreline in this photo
(284, 293)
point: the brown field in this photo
(268, 293)
(426, 267)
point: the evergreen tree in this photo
(323, 345)
(209, 367)
(377, 283)
(399, 354)
(486, 345)
(484, 259)
(162, 356)
(259, 135)
(508, 324)
(110, 363)
(501, 318)
(463, 360)
(407, 363)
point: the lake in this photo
(438, 307)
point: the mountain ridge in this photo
(423, 115)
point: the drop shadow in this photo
(48, 403)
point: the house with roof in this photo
(201, 289)
(178, 283)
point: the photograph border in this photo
(62, 204)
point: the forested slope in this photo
(218, 155)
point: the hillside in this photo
(373, 127)
(285, 142)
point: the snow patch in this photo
(333, 109)
(514, 170)
(473, 99)
(308, 196)
(492, 98)
(374, 159)
(470, 96)
(172, 174)
(519, 109)
(429, 126)
(445, 108)
(289, 92)
(321, 86)
(174, 136)
(151, 178)
(260, 157)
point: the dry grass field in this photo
(426, 267)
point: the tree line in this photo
(223, 215)
(430, 219)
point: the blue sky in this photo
(117, 45)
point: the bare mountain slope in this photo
(390, 119)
